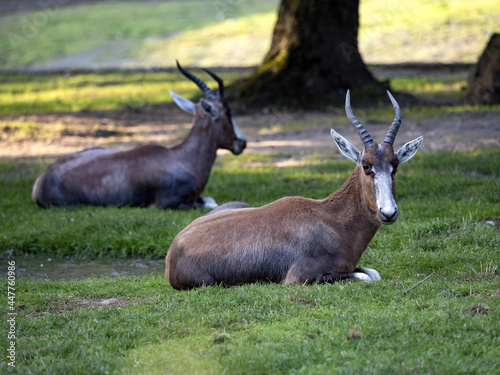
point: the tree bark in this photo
(313, 57)
(484, 82)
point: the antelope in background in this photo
(148, 175)
(295, 239)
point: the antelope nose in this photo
(242, 143)
(238, 146)
(388, 214)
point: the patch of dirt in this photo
(494, 294)
(294, 134)
(353, 334)
(477, 308)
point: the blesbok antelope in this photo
(148, 175)
(229, 206)
(295, 239)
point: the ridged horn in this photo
(219, 81)
(202, 85)
(363, 134)
(393, 130)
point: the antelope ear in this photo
(209, 109)
(346, 147)
(409, 149)
(184, 104)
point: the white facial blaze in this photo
(383, 191)
(238, 132)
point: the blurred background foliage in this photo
(127, 34)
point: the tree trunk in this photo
(313, 57)
(484, 82)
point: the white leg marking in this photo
(209, 202)
(362, 277)
(372, 274)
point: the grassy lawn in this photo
(231, 33)
(449, 324)
(449, 218)
(426, 30)
(24, 94)
(126, 31)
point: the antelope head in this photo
(216, 110)
(377, 164)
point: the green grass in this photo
(343, 328)
(233, 33)
(123, 30)
(22, 94)
(469, 182)
(234, 42)
(449, 324)
(426, 30)
(451, 87)
(37, 94)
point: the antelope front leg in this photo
(317, 270)
(371, 273)
(360, 274)
(208, 202)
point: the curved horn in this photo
(363, 134)
(202, 85)
(219, 81)
(393, 130)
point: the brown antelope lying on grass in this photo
(294, 239)
(150, 174)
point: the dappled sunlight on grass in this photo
(291, 125)
(25, 94)
(106, 91)
(426, 31)
(237, 33)
(15, 131)
(446, 201)
(428, 87)
(419, 112)
(115, 32)
(235, 42)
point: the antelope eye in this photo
(366, 167)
